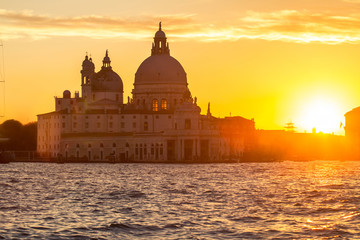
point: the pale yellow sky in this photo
(272, 60)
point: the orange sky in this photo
(272, 60)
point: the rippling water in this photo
(288, 200)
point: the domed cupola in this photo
(106, 80)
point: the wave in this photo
(247, 219)
(130, 227)
(179, 191)
(178, 202)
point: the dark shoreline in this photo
(167, 162)
(46, 160)
(197, 161)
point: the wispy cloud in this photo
(303, 26)
(27, 24)
(352, 1)
(287, 25)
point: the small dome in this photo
(160, 69)
(66, 94)
(160, 34)
(106, 80)
(86, 60)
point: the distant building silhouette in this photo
(160, 122)
(285, 145)
(290, 127)
(352, 131)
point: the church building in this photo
(160, 122)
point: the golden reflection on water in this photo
(285, 200)
(327, 187)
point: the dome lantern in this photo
(106, 61)
(160, 46)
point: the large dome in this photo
(161, 68)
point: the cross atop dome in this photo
(160, 46)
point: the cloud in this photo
(27, 24)
(286, 25)
(352, 1)
(303, 26)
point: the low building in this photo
(290, 145)
(160, 122)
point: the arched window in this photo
(155, 105)
(163, 104)
(101, 145)
(114, 144)
(146, 126)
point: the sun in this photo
(322, 114)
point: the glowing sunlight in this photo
(322, 114)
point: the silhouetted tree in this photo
(20, 137)
(29, 136)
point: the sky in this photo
(276, 61)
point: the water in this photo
(288, 200)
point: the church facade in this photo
(161, 122)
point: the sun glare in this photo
(322, 115)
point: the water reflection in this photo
(291, 200)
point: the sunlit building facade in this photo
(161, 121)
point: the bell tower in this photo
(87, 71)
